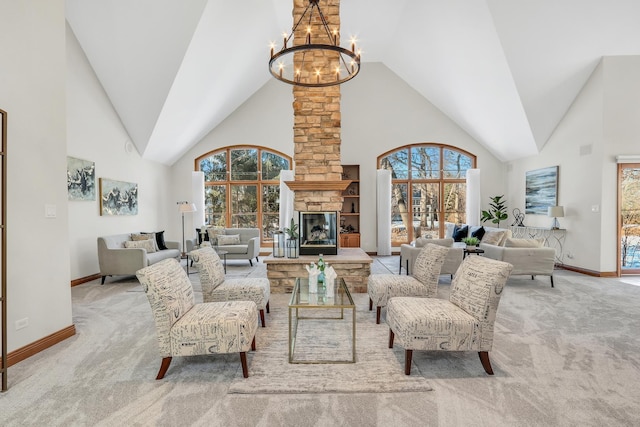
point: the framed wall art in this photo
(541, 190)
(118, 197)
(81, 179)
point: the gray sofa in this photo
(247, 248)
(116, 260)
(409, 253)
(531, 261)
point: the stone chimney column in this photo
(316, 127)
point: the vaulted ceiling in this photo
(506, 71)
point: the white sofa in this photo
(117, 260)
(247, 246)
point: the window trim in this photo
(228, 183)
(441, 180)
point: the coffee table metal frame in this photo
(302, 300)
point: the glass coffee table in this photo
(307, 306)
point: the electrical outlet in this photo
(22, 323)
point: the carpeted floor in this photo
(562, 356)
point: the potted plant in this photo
(292, 241)
(471, 241)
(497, 211)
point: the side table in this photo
(468, 251)
(223, 254)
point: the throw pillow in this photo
(159, 238)
(493, 237)
(460, 233)
(228, 239)
(149, 245)
(523, 243)
(478, 232)
(145, 236)
(213, 233)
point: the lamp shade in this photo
(556, 211)
(187, 207)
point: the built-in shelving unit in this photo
(3, 247)
(350, 214)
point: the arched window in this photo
(428, 189)
(242, 187)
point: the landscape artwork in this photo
(541, 190)
(118, 197)
(81, 179)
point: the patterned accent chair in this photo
(187, 329)
(464, 323)
(423, 281)
(216, 288)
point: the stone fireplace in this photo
(318, 183)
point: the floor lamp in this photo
(185, 207)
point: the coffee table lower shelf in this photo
(304, 302)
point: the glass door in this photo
(629, 217)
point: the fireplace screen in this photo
(318, 233)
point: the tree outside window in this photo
(242, 187)
(436, 176)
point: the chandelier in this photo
(318, 62)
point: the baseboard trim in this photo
(42, 344)
(86, 279)
(592, 273)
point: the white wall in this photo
(96, 133)
(32, 91)
(379, 112)
(600, 124)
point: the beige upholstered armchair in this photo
(423, 281)
(464, 323)
(185, 328)
(215, 287)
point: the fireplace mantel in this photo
(318, 185)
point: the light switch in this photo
(49, 211)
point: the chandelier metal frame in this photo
(277, 66)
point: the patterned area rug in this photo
(378, 369)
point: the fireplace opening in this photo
(318, 233)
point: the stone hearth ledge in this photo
(352, 264)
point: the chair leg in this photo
(250, 263)
(267, 306)
(166, 361)
(407, 267)
(408, 354)
(102, 280)
(378, 310)
(532, 277)
(400, 267)
(253, 344)
(391, 337)
(262, 317)
(257, 259)
(243, 362)
(370, 304)
(551, 277)
(484, 358)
